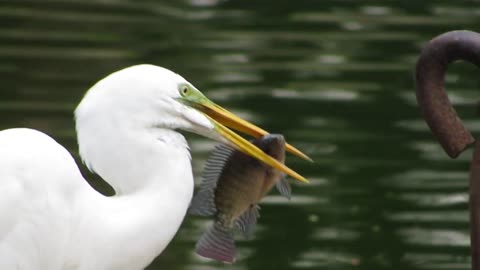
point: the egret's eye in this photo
(184, 90)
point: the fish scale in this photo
(246, 187)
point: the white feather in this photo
(126, 125)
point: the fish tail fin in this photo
(217, 243)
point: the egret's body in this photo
(127, 133)
(57, 221)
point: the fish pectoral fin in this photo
(217, 243)
(284, 187)
(248, 220)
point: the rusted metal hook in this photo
(441, 116)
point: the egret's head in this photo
(147, 96)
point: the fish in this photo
(232, 186)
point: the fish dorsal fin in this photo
(284, 187)
(203, 203)
(248, 220)
(214, 166)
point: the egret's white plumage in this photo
(126, 124)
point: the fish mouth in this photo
(224, 121)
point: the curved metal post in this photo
(441, 116)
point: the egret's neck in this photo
(152, 175)
(131, 160)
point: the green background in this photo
(334, 76)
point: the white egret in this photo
(126, 126)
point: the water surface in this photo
(334, 76)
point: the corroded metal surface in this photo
(431, 95)
(474, 207)
(441, 116)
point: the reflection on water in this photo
(334, 76)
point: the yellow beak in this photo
(254, 151)
(231, 120)
(222, 119)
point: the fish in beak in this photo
(232, 187)
(224, 121)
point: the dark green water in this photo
(335, 76)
